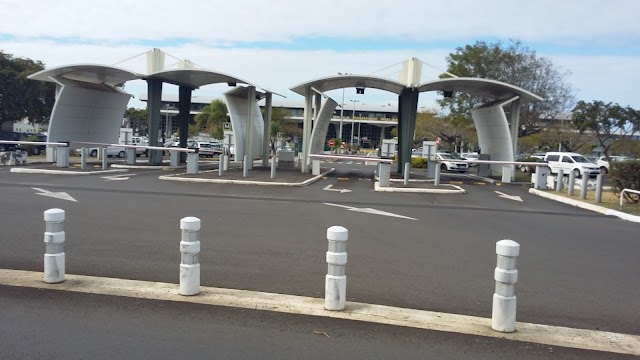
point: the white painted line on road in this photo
(509, 197)
(117, 177)
(370, 211)
(458, 190)
(58, 195)
(329, 188)
(63, 172)
(177, 177)
(379, 314)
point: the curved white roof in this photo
(91, 73)
(346, 81)
(195, 78)
(484, 88)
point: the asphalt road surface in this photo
(577, 268)
(39, 324)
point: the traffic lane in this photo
(442, 262)
(351, 185)
(107, 327)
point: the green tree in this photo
(515, 64)
(452, 131)
(20, 97)
(138, 119)
(612, 125)
(211, 120)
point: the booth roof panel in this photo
(90, 73)
(484, 88)
(195, 78)
(348, 81)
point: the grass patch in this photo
(609, 200)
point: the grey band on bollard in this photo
(335, 286)
(54, 237)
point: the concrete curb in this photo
(458, 190)
(63, 172)
(301, 305)
(176, 177)
(584, 205)
(147, 167)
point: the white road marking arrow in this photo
(117, 177)
(370, 211)
(341, 191)
(510, 197)
(58, 195)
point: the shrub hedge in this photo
(626, 175)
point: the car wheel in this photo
(2, 147)
(93, 153)
(443, 167)
(121, 154)
(576, 172)
(603, 170)
(36, 151)
(524, 168)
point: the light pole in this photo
(353, 119)
(341, 109)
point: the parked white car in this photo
(470, 156)
(114, 151)
(448, 163)
(571, 162)
(603, 164)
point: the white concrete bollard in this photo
(54, 236)
(174, 158)
(273, 167)
(190, 250)
(245, 166)
(227, 158)
(436, 178)
(572, 183)
(221, 165)
(192, 162)
(407, 170)
(83, 158)
(583, 186)
(315, 167)
(503, 316)
(335, 285)
(559, 180)
(507, 173)
(130, 154)
(62, 156)
(105, 159)
(384, 174)
(599, 181)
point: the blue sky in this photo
(281, 43)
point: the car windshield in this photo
(447, 156)
(470, 156)
(580, 159)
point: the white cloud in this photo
(223, 22)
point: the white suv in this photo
(571, 162)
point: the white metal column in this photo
(251, 102)
(306, 130)
(266, 139)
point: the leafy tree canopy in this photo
(452, 133)
(211, 120)
(612, 125)
(515, 64)
(20, 97)
(137, 119)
